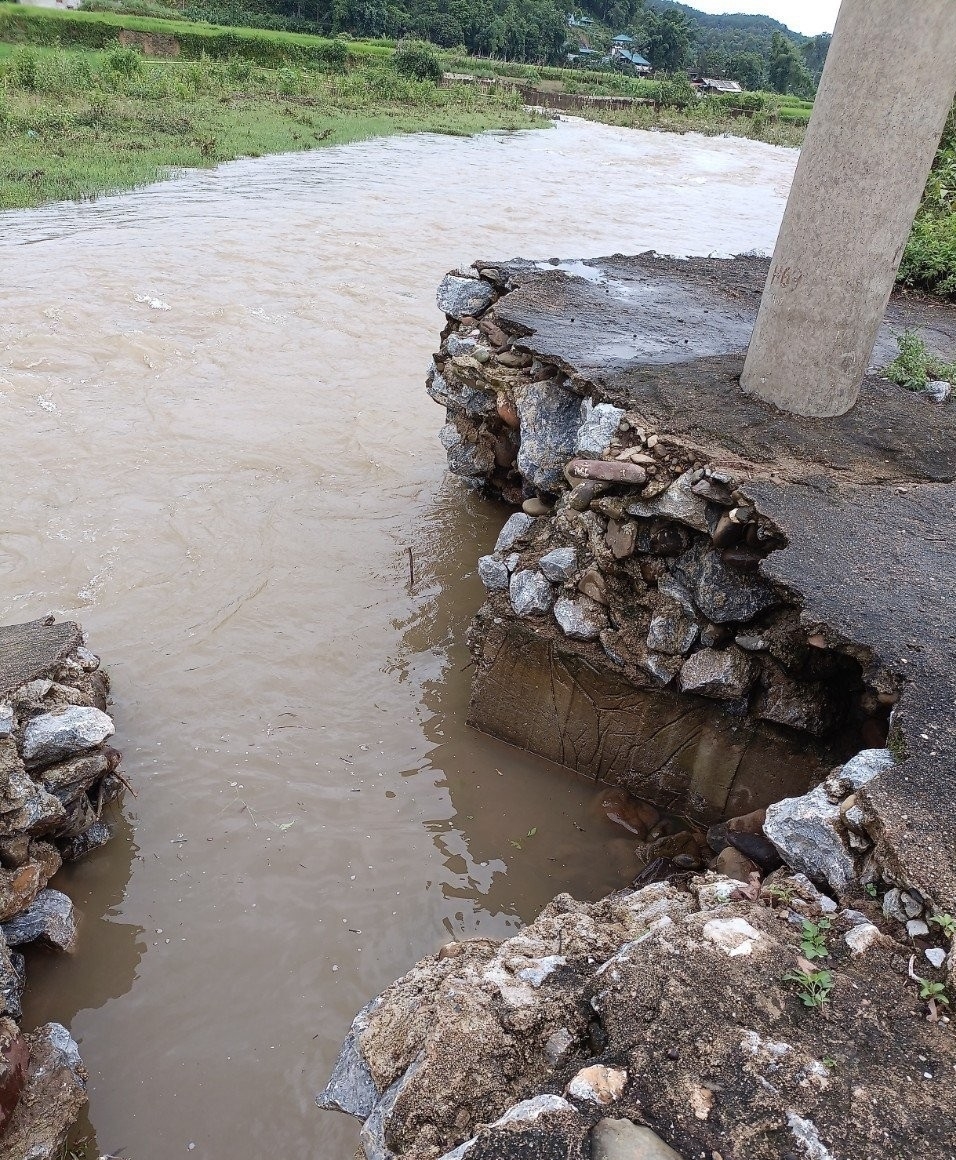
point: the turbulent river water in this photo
(219, 451)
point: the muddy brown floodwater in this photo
(219, 448)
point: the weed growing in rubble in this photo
(934, 991)
(946, 923)
(914, 366)
(812, 938)
(813, 987)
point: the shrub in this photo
(125, 61)
(26, 68)
(674, 91)
(418, 60)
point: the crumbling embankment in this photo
(57, 776)
(738, 614)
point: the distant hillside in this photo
(733, 27)
(755, 50)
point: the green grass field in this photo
(76, 123)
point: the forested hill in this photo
(721, 35)
(757, 51)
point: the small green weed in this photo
(813, 987)
(812, 939)
(934, 991)
(946, 923)
(914, 366)
(780, 893)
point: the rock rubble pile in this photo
(57, 776)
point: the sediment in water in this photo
(57, 777)
(711, 604)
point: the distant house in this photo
(633, 61)
(622, 38)
(706, 85)
(579, 21)
(586, 55)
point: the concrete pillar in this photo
(887, 88)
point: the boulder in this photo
(807, 833)
(14, 1064)
(858, 771)
(530, 593)
(599, 425)
(549, 416)
(52, 1097)
(18, 889)
(581, 619)
(678, 503)
(559, 565)
(49, 920)
(51, 737)
(39, 812)
(517, 527)
(671, 630)
(92, 839)
(67, 780)
(546, 1127)
(493, 573)
(622, 1140)
(463, 297)
(351, 1088)
(723, 673)
(722, 593)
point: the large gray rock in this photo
(858, 772)
(472, 461)
(530, 593)
(493, 573)
(599, 425)
(545, 1127)
(808, 836)
(677, 503)
(671, 631)
(622, 1140)
(65, 733)
(49, 920)
(54, 1094)
(724, 673)
(517, 527)
(68, 779)
(351, 1088)
(581, 619)
(38, 813)
(549, 416)
(457, 344)
(723, 594)
(559, 564)
(460, 297)
(455, 393)
(375, 1128)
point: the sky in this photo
(807, 16)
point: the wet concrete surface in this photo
(669, 337)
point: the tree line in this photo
(758, 52)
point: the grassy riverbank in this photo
(74, 124)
